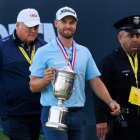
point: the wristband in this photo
(111, 102)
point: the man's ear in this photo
(55, 23)
(119, 36)
(17, 24)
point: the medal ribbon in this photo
(26, 55)
(64, 52)
(134, 66)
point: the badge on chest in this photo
(134, 97)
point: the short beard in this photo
(66, 36)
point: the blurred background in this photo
(94, 30)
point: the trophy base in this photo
(57, 126)
(56, 118)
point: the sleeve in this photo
(101, 109)
(106, 70)
(91, 70)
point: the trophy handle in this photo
(80, 74)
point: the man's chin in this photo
(68, 37)
(31, 39)
(135, 49)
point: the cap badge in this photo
(33, 15)
(136, 20)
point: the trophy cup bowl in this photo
(63, 87)
(63, 84)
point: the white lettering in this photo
(3, 31)
(11, 28)
(48, 31)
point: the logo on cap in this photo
(33, 15)
(136, 20)
(66, 10)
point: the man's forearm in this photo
(100, 90)
(38, 84)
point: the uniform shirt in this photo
(118, 76)
(15, 95)
(50, 55)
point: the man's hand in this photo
(115, 108)
(49, 74)
(101, 130)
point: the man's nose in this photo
(67, 25)
(136, 37)
(33, 29)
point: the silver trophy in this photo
(63, 87)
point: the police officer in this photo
(19, 108)
(121, 75)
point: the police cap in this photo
(129, 24)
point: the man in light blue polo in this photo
(54, 56)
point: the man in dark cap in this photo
(121, 74)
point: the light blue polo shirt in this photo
(50, 55)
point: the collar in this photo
(121, 50)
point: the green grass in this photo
(3, 137)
